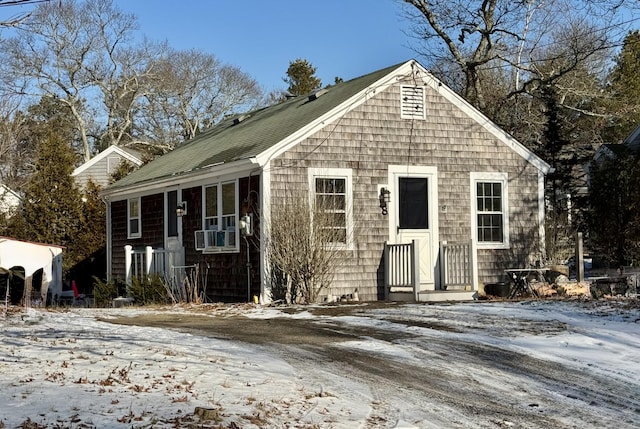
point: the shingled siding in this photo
(373, 136)
(152, 211)
(226, 273)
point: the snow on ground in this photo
(61, 369)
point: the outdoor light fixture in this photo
(385, 197)
(181, 210)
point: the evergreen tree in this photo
(301, 77)
(52, 206)
(613, 218)
(624, 90)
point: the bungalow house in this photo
(103, 165)
(408, 160)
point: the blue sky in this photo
(345, 38)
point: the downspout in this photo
(108, 244)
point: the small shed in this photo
(40, 263)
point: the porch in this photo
(166, 263)
(456, 266)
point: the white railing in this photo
(402, 267)
(458, 265)
(147, 261)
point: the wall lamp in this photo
(181, 210)
(384, 197)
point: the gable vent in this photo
(412, 103)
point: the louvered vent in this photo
(412, 104)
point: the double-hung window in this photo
(332, 204)
(490, 216)
(134, 227)
(220, 215)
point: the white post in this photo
(128, 251)
(473, 260)
(415, 244)
(148, 259)
(386, 262)
(443, 264)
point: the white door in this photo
(173, 231)
(415, 216)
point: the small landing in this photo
(435, 296)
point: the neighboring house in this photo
(103, 165)
(9, 201)
(40, 263)
(453, 177)
(630, 146)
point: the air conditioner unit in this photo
(211, 240)
(200, 240)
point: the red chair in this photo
(77, 297)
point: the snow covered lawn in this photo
(68, 369)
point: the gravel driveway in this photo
(450, 379)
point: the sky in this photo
(66, 368)
(341, 38)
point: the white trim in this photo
(193, 179)
(541, 216)
(489, 177)
(109, 244)
(108, 151)
(338, 173)
(139, 218)
(431, 173)
(265, 225)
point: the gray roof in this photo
(258, 131)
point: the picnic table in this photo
(520, 280)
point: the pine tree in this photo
(301, 77)
(52, 206)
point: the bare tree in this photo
(479, 35)
(119, 91)
(305, 245)
(189, 91)
(58, 51)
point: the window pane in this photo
(228, 198)
(413, 204)
(331, 199)
(211, 204)
(133, 226)
(133, 208)
(172, 217)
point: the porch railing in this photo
(402, 267)
(147, 261)
(458, 265)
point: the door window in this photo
(413, 203)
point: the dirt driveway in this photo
(451, 379)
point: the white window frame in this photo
(137, 217)
(336, 173)
(487, 177)
(409, 98)
(234, 217)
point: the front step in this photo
(434, 296)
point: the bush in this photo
(148, 290)
(105, 291)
